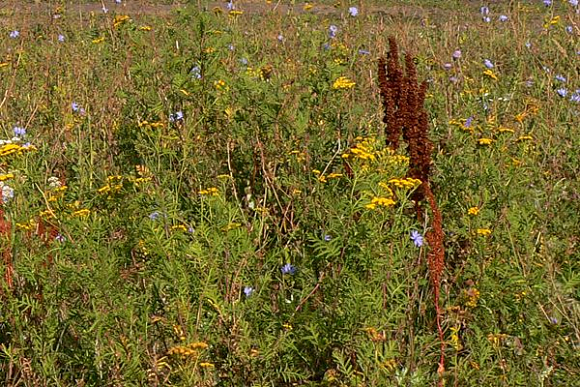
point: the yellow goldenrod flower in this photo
(524, 138)
(472, 297)
(483, 231)
(343, 83)
(6, 176)
(503, 129)
(119, 20)
(209, 191)
(99, 40)
(145, 28)
(307, 7)
(490, 74)
(82, 213)
(220, 85)
(484, 141)
(473, 211)
(206, 365)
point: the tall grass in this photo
(206, 197)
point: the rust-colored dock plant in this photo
(405, 116)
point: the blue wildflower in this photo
(244, 61)
(280, 38)
(547, 3)
(488, 64)
(14, 34)
(332, 30)
(248, 290)
(560, 78)
(230, 5)
(484, 11)
(327, 238)
(7, 192)
(528, 45)
(468, 122)
(447, 66)
(288, 269)
(19, 132)
(177, 116)
(503, 18)
(562, 92)
(486, 19)
(569, 29)
(576, 96)
(154, 215)
(60, 238)
(105, 9)
(326, 46)
(353, 11)
(364, 52)
(417, 238)
(573, 3)
(195, 72)
(61, 38)
(456, 54)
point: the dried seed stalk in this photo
(404, 115)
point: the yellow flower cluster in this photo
(490, 74)
(212, 191)
(380, 201)
(472, 297)
(407, 183)
(115, 183)
(154, 125)
(8, 149)
(324, 178)
(220, 85)
(343, 83)
(120, 20)
(473, 211)
(191, 350)
(6, 176)
(483, 231)
(484, 141)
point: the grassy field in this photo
(200, 196)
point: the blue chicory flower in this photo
(488, 64)
(353, 11)
(288, 269)
(19, 132)
(417, 238)
(177, 116)
(195, 72)
(560, 78)
(456, 54)
(562, 92)
(14, 34)
(248, 290)
(503, 18)
(332, 30)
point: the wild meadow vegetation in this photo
(208, 195)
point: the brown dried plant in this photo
(405, 115)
